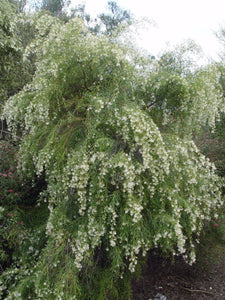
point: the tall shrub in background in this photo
(212, 142)
(180, 96)
(118, 183)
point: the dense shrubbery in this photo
(15, 33)
(108, 133)
(111, 135)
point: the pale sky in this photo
(176, 21)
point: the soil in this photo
(205, 280)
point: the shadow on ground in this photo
(205, 280)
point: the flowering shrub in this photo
(183, 102)
(15, 34)
(22, 236)
(117, 186)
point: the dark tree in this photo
(114, 18)
(55, 6)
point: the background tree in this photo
(105, 23)
(116, 17)
(55, 7)
(18, 5)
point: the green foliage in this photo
(55, 7)
(14, 189)
(11, 229)
(22, 236)
(18, 5)
(114, 18)
(118, 183)
(15, 35)
(212, 144)
(8, 49)
(22, 223)
(110, 23)
(180, 97)
(9, 188)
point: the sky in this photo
(173, 21)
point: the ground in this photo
(204, 280)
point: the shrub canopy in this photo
(119, 182)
